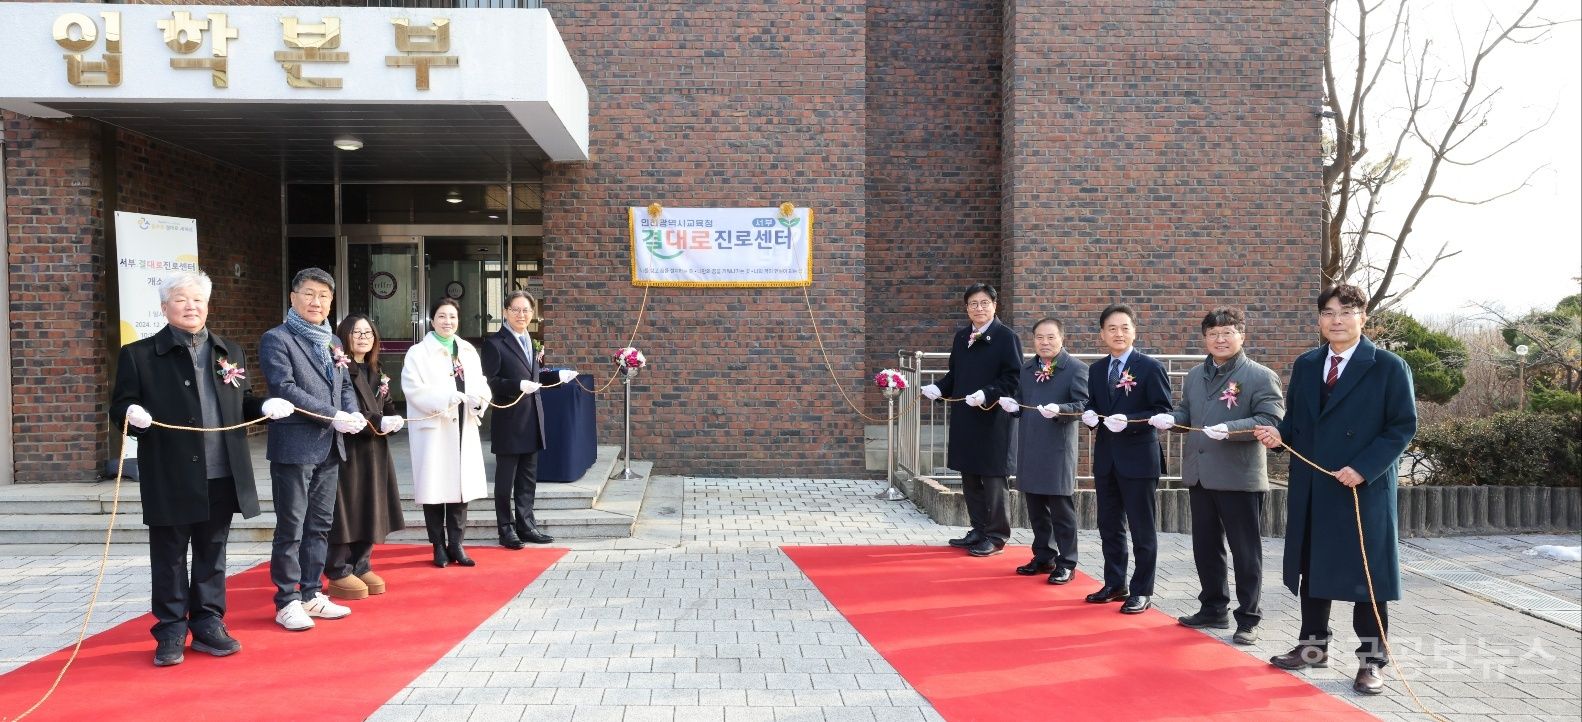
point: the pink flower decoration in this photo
(384, 385)
(340, 357)
(456, 368)
(1046, 370)
(975, 335)
(1127, 381)
(889, 379)
(1229, 397)
(630, 358)
(230, 373)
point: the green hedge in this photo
(1510, 448)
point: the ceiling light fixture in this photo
(348, 143)
(454, 196)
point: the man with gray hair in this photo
(304, 363)
(191, 483)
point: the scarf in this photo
(320, 338)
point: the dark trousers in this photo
(181, 601)
(515, 483)
(1315, 614)
(348, 559)
(304, 509)
(988, 505)
(1127, 503)
(446, 524)
(1054, 522)
(1235, 517)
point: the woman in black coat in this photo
(367, 502)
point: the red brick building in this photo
(1076, 153)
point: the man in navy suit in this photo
(1352, 409)
(517, 434)
(1126, 387)
(985, 364)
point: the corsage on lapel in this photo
(384, 387)
(340, 357)
(230, 373)
(976, 336)
(1127, 381)
(1231, 392)
(1045, 370)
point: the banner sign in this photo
(722, 247)
(150, 248)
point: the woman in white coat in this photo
(442, 379)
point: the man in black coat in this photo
(512, 367)
(1124, 388)
(190, 482)
(985, 364)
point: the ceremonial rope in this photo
(836, 379)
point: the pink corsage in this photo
(230, 373)
(889, 379)
(975, 335)
(1045, 371)
(1229, 397)
(341, 359)
(538, 351)
(456, 368)
(1127, 381)
(384, 386)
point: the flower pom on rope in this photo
(889, 379)
(630, 358)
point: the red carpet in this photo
(342, 669)
(982, 643)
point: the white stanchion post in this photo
(890, 493)
(627, 374)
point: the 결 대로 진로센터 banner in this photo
(726, 247)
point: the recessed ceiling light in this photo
(494, 217)
(454, 196)
(348, 143)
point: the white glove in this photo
(391, 424)
(348, 423)
(1115, 422)
(1009, 405)
(931, 392)
(976, 398)
(530, 387)
(1217, 432)
(567, 375)
(1090, 418)
(138, 416)
(1162, 422)
(457, 398)
(278, 408)
(1049, 411)
(478, 403)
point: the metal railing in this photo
(923, 428)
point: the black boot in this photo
(434, 522)
(455, 532)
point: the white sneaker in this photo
(293, 617)
(320, 606)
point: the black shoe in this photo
(1035, 567)
(459, 556)
(986, 547)
(1061, 576)
(215, 640)
(1302, 657)
(170, 651)
(508, 537)
(1137, 604)
(1108, 594)
(972, 537)
(1203, 619)
(533, 535)
(1245, 636)
(440, 558)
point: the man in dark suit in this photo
(1046, 457)
(517, 434)
(985, 364)
(1125, 387)
(1351, 409)
(190, 482)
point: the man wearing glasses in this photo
(1352, 410)
(511, 366)
(985, 364)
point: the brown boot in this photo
(347, 587)
(376, 583)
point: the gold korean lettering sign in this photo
(422, 48)
(310, 44)
(184, 34)
(80, 71)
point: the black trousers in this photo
(1054, 521)
(1236, 517)
(446, 524)
(348, 559)
(180, 600)
(1315, 615)
(988, 505)
(1127, 503)
(515, 483)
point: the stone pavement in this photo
(708, 620)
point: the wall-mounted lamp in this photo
(348, 143)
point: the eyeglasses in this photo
(322, 297)
(980, 304)
(519, 311)
(1331, 314)
(1221, 335)
(362, 334)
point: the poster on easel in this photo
(148, 249)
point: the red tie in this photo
(1334, 372)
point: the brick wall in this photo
(933, 177)
(1165, 155)
(716, 104)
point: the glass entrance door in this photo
(384, 281)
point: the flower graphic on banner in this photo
(890, 379)
(1231, 392)
(230, 373)
(1127, 381)
(1045, 370)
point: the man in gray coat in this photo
(305, 364)
(1227, 476)
(1046, 464)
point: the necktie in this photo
(1334, 372)
(1115, 372)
